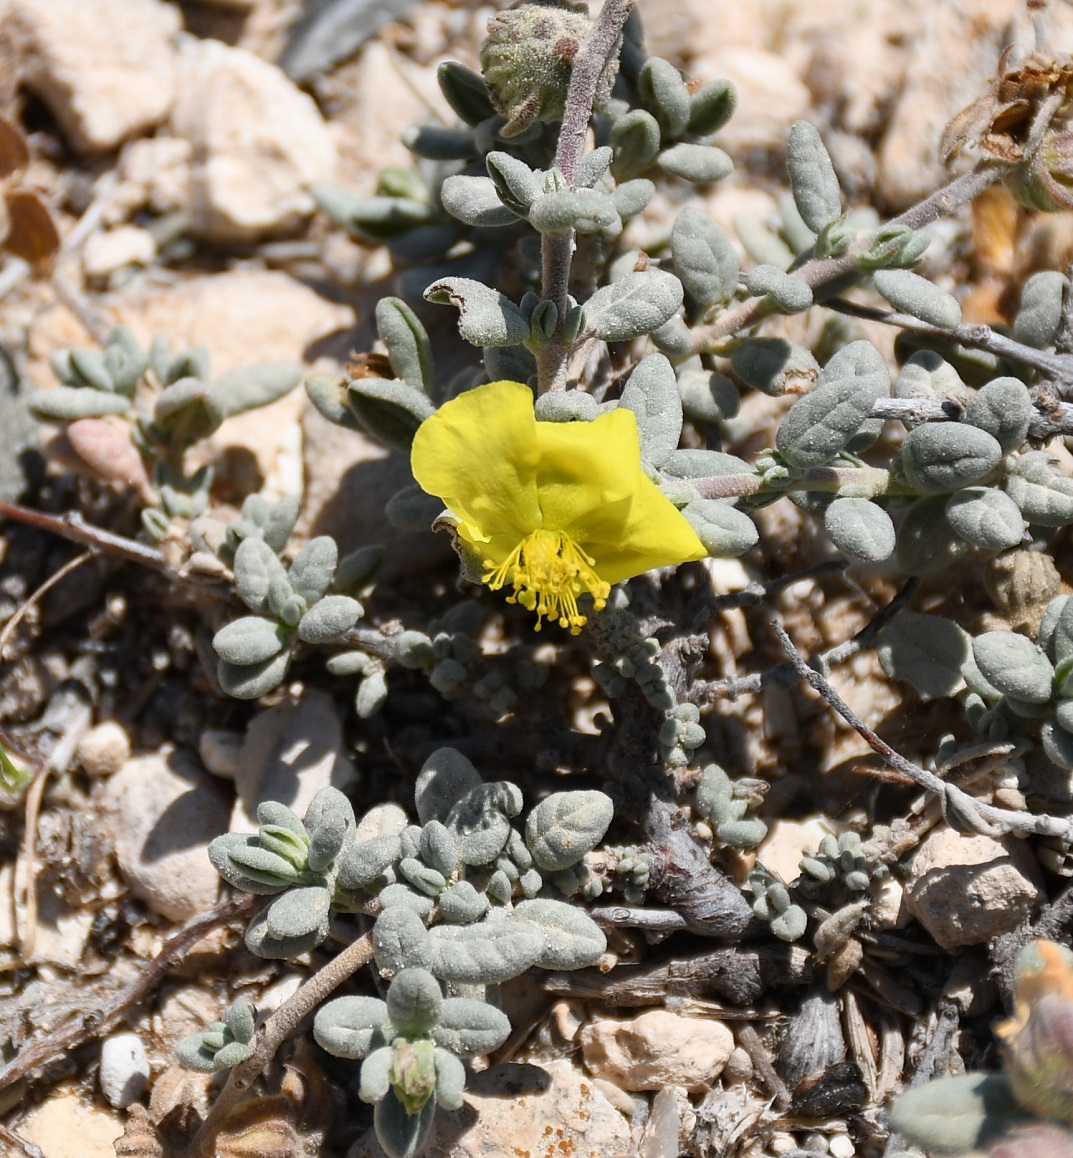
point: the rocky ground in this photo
(176, 154)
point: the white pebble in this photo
(841, 1146)
(124, 1069)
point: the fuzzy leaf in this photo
(465, 91)
(261, 941)
(913, 294)
(986, 518)
(408, 347)
(249, 640)
(299, 912)
(860, 528)
(927, 650)
(329, 618)
(725, 531)
(812, 177)
(248, 387)
(665, 95)
(487, 953)
(770, 365)
(461, 904)
(1040, 311)
(259, 871)
(366, 860)
(401, 941)
(586, 210)
(400, 1133)
(710, 107)
(389, 410)
(634, 305)
(939, 457)
(1042, 494)
(251, 681)
(313, 569)
(467, 1027)
(703, 258)
(700, 164)
(1003, 408)
(631, 197)
(63, 403)
(475, 201)
(789, 294)
(486, 317)
(352, 1027)
(445, 778)
(821, 424)
(953, 1115)
(635, 138)
(652, 394)
(566, 825)
(1014, 665)
(450, 1079)
(256, 566)
(573, 940)
(518, 185)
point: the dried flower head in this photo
(557, 510)
(1024, 120)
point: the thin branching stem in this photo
(274, 1032)
(820, 271)
(962, 811)
(92, 1024)
(557, 250)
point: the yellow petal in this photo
(585, 467)
(479, 454)
(654, 533)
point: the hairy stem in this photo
(557, 251)
(819, 271)
(275, 1031)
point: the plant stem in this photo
(819, 271)
(272, 1035)
(557, 251)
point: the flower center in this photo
(549, 571)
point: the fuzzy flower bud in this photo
(528, 58)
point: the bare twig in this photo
(274, 1032)
(72, 526)
(1056, 367)
(95, 1023)
(821, 271)
(962, 811)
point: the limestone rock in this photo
(291, 752)
(63, 1126)
(113, 249)
(786, 843)
(967, 889)
(258, 143)
(106, 70)
(161, 811)
(517, 1109)
(657, 1049)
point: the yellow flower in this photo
(556, 509)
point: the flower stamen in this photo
(549, 572)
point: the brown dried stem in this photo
(274, 1032)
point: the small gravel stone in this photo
(657, 1049)
(160, 812)
(124, 1071)
(967, 889)
(220, 752)
(841, 1146)
(103, 750)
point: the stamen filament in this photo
(549, 572)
